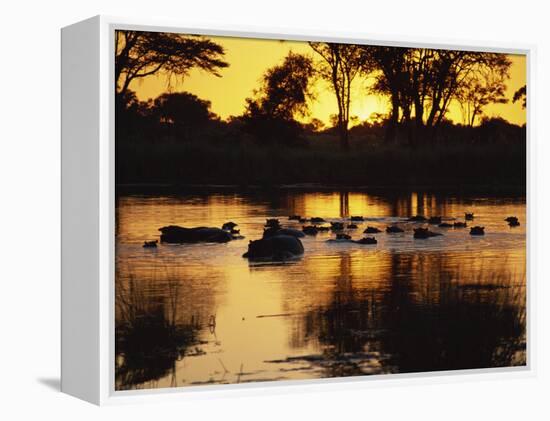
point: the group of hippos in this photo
(280, 243)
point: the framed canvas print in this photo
(244, 210)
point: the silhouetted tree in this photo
(391, 81)
(521, 95)
(139, 54)
(481, 89)
(316, 125)
(182, 113)
(286, 88)
(133, 116)
(284, 95)
(424, 81)
(340, 64)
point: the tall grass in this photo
(148, 338)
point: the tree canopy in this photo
(284, 94)
(182, 112)
(422, 82)
(521, 95)
(286, 88)
(482, 88)
(139, 54)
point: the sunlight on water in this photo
(402, 305)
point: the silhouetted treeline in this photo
(176, 139)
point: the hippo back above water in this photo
(178, 235)
(271, 232)
(277, 247)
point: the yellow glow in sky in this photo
(249, 59)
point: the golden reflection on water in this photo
(402, 305)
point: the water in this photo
(201, 314)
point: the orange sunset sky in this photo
(249, 58)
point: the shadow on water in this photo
(149, 338)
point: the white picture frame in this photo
(88, 214)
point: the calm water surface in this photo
(201, 314)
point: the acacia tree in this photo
(456, 71)
(139, 54)
(425, 81)
(339, 65)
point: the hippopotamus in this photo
(367, 240)
(341, 238)
(445, 225)
(272, 223)
(336, 226)
(435, 220)
(178, 235)
(393, 229)
(310, 230)
(229, 226)
(417, 218)
(423, 233)
(469, 216)
(477, 230)
(460, 225)
(512, 221)
(371, 230)
(344, 238)
(270, 232)
(357, 218)
(277, 247)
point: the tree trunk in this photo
(418, 133)
(344, 136)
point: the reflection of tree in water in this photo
(458, 324)
(150, 337)
(344, 204)
(348, 310)
(462, 332)
(445, 321)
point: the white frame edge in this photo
(103, 134)
(80, 119)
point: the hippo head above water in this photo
(229, 226)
